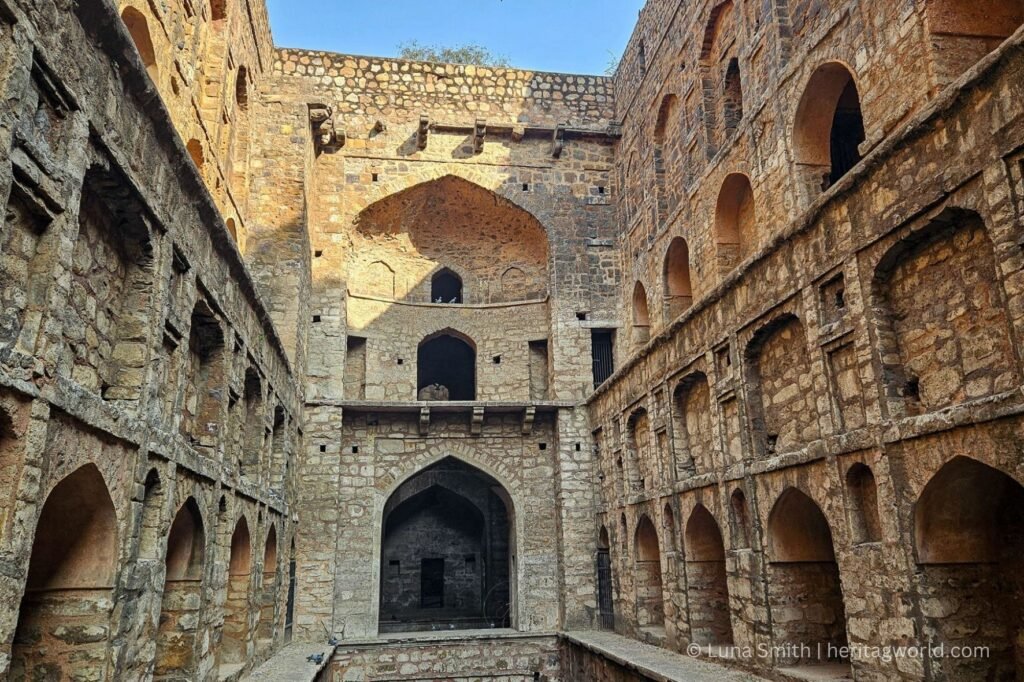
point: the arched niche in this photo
(650, 598)
(138, 28)
(803, 580)
(968, 533)
(235, 644)
(641, 315)
(70, 580)
(182, 596)
(707, 585)
(268, 594)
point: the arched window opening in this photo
(740, 520)
(235, 643)
(964, 31)
(650, 600)
(969, 544)
(707, 586)
(732, 98)
(182, 597)
(268, 596)
(735, 221)
(803, 579)
(641, 315)
(678, 292)
(240, 131)
(70, 580)
(446, 367)
(605, 595)
(201, 412)
(446, 287)
(829, 128)
(862, 498)
(138, 29)
(446, 552)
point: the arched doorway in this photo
(707, 586)
(234, 643)
(182, 597)
(829, 128)
(803, 583)
(70, 582)
(641, 315)
(650, 599)
(447, 552)
(735, 221)
(446, 367)
(969, 546)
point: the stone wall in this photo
(129, 323)
(831, 369)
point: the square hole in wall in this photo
(323, 448)
(496, 359)
(316, 318)
(526, 187)
(401, 361)
(318, 253)
(374, 177)
(582, 316)
(355, 449)
(543, 446)
(578, 448)
(601, 190)
(833, 299)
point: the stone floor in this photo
(658, 664)
(292, 664)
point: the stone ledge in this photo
(653, 662)
(291, 664)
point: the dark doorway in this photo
(446, 369)
(446, 553)
(847, 133)
(432, 583)
(446, 287)
(289, 613)
(601, 348)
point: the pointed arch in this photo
(71, 575)
(968, 532)
(138, 28)
(641, 315)
(828, 128)
(650, 602)
(234, 648)
(862, 501)
(446, 367)
(182, 595)
(268, 597)
(676, 273)
(803, 578)
(463, 582)
(707, 585)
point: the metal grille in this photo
(601, 341)
(604, 590)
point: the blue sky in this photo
(574, 36)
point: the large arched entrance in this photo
(969, 548)
(446, 552)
